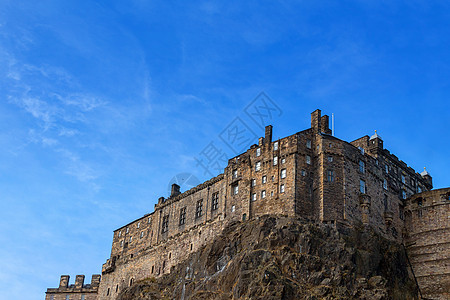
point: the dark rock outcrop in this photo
(286, 258)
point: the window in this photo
(138, 224)
(244, 217)
(258, 166)
(303, 173)
(253, 183)
(413, 183)
(258, 151)
(283, 160)
(308, 159)
(149, 220)
(403, 179)
(199, 208)
(330, 145)
(131, 281)
(361, 149)
(165, 224)
(308, 144)
(362, 186)
(330, 175)
(275, 146)
(131, 239)
(263, 194)
(52, 297)
(182, 216)
(234, 175)
(419, 189)
(283, 173)
(401, 212)
(254, 197)
(386, 202)
(68, 297)
(282, 188)
(120, 233)
(273, 178)
(385, 184)
(271, 194)
(215, 201)
(403, 194)
(330, 158)
(264, 179)
(386, 168)
(235, 189)
(117, 286)
(362, 167)
(275, 160)
(107, 294)
(233, 208)
(142, 234)
(121, 243)
(127, 230)
(83, 297)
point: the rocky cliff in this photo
(286, 258)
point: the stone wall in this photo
(428, 241)
(310, 174)
(77, 291)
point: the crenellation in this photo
(309, 174)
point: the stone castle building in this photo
(310, 174)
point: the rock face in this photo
(286, 258)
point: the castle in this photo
(310, 174)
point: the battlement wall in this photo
(77, 291)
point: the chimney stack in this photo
(268, 136)
(175, 190)
(316, 121)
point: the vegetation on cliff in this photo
(286, 258)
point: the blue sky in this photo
(103, 103)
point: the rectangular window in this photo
(235, 174)
(308, 159)
(403, 194)
(235, 189)
(330, 175)
(330, 158)
(233, 208)
(253, 182)
(258, 151)
(68, 297)
(121, 243)
(283, 173)
(264, 179)
(362, 186)
(419, 189)
(138, 224)
(127, 230)
(142, 235)
(283, 160)
(275, 146)
(149, 220)
(199, 208)
(120, 233)
(308, 144)
(282, 188)
(263, 194)
(413, 183)
(215, 201)
(165, 224)
(362, 167)
(83, 297)
(386, 169)
(275, 160)
(258, 166)
(182, 216)
(131, 239)
(403, 179)
(254, 197)
(303, 173)
(361, 149)
(385, 184)
(386, 204)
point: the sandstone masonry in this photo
(310, 174)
